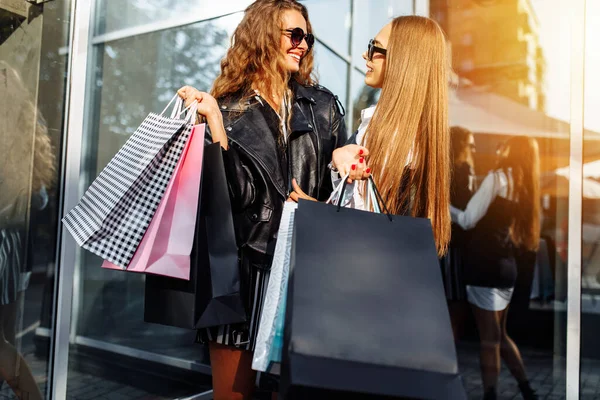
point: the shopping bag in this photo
(269, 339)
(114, 213)
(366, 314)
(166, 246)
(212, 295)
(269, 342)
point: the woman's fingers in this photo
(297, 189)
(190, 94)
(351, 160)
(362, 152)
(298, 193)
(294, 196)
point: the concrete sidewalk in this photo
(546, 373)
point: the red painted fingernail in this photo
(362, 160)
(368, 170)
(353, 167)
(360, 152)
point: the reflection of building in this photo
(495, 44)
(493, 119)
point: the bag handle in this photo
(377, 194)
(335, 194)
(372, 199)
(178, 109)
(192, 109)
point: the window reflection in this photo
(511, 62)
(332, 71)
(116, 15)
(32, 79)
(590, 263)
(369, 19)
(136, 76)
(334, 31)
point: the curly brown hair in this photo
(254, 59)
(28, 162)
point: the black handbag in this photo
(212, 295)
(366, 312)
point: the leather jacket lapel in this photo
(253, 135)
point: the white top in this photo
(365, 119)
(494, 184)
(357, 200)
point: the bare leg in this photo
(13, 368)
(510, 352)
(232, 374)
(488, 325)
(458, 316)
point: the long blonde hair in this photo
(254, 60)
(411, 120)
(521, 155)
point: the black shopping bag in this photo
(366, 314)
(212, 295)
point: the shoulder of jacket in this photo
(319, 94)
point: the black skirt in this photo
(452, 266)
(255, 279)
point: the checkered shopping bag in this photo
(114, 213)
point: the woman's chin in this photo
(293, 68)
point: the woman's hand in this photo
(298, 193)
(207, 105)
(209, 108)
(350, 160)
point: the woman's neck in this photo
(273, 100)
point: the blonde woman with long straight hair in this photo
(403, 140)
(504, 214)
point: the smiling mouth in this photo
(296, 57)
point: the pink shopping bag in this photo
(167, 244)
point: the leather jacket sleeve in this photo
(242, 191)
(239, 178)
(340, 133)
(338, 125)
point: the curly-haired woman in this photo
(278, 130)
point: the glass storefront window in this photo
(369, 20)
(511, 62)
(32, 105)
(113, 16)
(363, 96)
(132, 77)
(590, 263)
(333, 31)
(332, 71)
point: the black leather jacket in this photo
(257, 186)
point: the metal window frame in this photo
(573, 366)
(75, 96)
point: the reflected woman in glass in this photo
(504, 214)
(405, 136)
(27, 168)
(278, 130)
(462, 187)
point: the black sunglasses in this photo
(372, 49)
(297, 35)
